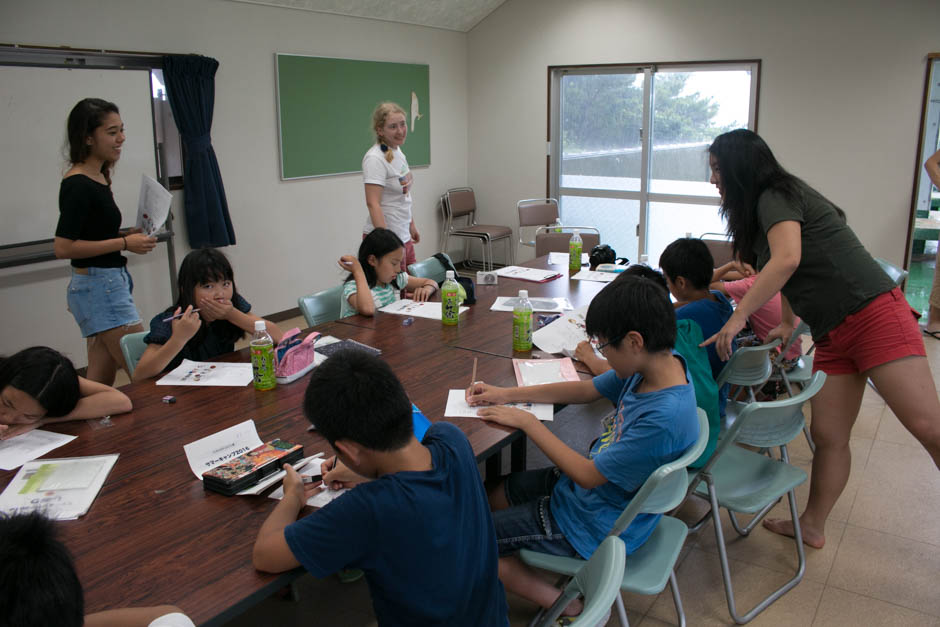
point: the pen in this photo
(178, 315)
(473, 377)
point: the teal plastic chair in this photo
(430, 268)
(749, 368)
(598, 582)
(322, 307)
(898, 275)
(800, 374)
(132, 347)
(651, 566)
(746, 482)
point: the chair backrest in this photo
(547, 240)
(322, 307)
(666, 487)
(536, 212)
(132, 347)
(461, 202)
(598, 582)
(720, 246)
(773, 422)
(748, 366)
(801, 329)
(430, 268)
(897, 274)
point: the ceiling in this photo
(458, 15)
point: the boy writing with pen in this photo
(417, 522)
(568, 509)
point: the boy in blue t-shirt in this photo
(417, 521)
(568, 509)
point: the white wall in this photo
(840, 94)
(289, 233)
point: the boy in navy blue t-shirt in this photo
(568, 509)
(417, 521)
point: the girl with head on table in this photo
(89, 233)
(388, 180)
(862, 324)
(39, 386)
(208, 318)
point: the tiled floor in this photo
(880, 565)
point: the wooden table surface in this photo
(154, 536)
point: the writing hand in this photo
(187, 325)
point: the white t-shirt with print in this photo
(396, 180)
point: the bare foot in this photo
(784, 527)
(574, 608)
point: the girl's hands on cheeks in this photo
(350, 263)
(216, 309)
(507, 416)
(480, 393)
(186, 325)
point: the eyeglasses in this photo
(600, 347)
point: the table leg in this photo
(517, 454)
(494, 466)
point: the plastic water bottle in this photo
(450, 301)
(558, 225)
(262, 357)
(574, 252)
(522, 323)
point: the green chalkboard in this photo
(325, 111)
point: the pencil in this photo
(473, 377)
(178, 315)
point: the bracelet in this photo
(125, 242)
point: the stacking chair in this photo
(132, 347)
(549, 239)
(598, 582)
(651, 566)
(322, 307)
(430, 268)
(720, 246)
(746, 482)
(749, 368)
(800, 374)
(535, 212)
(460, 203)
(897, 274)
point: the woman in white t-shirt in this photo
(388, 180)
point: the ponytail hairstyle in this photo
(379, 116)
(46, 375)
(378, 243)
(84, 118)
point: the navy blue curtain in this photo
(190, 88)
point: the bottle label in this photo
(262, 366)
(522, 331)
(450, 309)
(574, 256)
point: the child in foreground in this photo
(39, 585)
(39, 386)
(375, 276)
(569, 509)
(206, 283)
(417, 521)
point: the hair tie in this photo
(383, 147)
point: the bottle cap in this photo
(449, 274)
(523, 293)
(575, 231)
(259, 325)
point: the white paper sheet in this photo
(457, 407)
(63, 489)
(153, 206)
(562, 335)
(321, 498)
(561, 259)
(588, 275)
(527, 274)
(272, 479)
(220, 374)
(215, 449)
(408, 307)
(557, 305)
(28, 446)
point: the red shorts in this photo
(884, 330)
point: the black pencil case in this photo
(249, 468)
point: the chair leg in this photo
(726, 570)
(676, 599)
(809, 438)
(621, 611)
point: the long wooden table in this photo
(155, 536)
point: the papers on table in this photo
(527, 274)
(267, 482)
(210, 451)
(153, 206)
(28, 446)
(563, 334)
(457, 407)
(321, 498)
(209, 373)
(542, 371)
(408, 307)
(561, 259)
(589, 275)
(63, 489)
(558, 304)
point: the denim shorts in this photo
(101, 300)
(528, 523)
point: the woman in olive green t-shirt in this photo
(861, 322)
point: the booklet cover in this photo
(62, 489)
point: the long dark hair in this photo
(203, 265)
(84, 118)
(46, 375)
(379, 242)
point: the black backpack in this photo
(466, 282)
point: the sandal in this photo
(934, 334)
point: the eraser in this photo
(169, 399)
